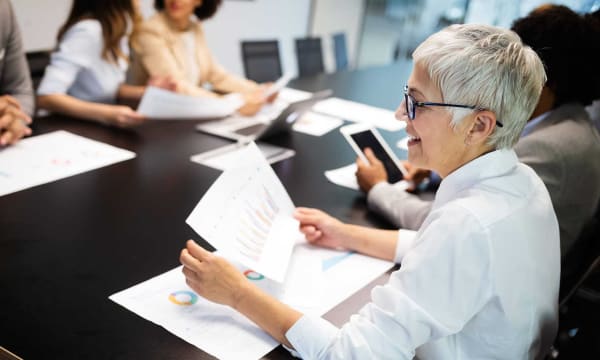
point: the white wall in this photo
(235, 21)
(283, 20)
(333, 16)
(39, 21)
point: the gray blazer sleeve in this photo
(403, 209)
(15, 79)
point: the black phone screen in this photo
(366, 139)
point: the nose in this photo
(400, 113)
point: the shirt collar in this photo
(490, 165)
(533, 123)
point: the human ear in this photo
(482, 127)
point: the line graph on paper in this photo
(255, 224)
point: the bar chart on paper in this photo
(255, 224)
(247, 215)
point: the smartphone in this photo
(362, 136)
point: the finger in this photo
(5, 121)
(360, 163)
(19, 129)
(188, 260)
(190, 274)
(197, 251)
(134, 115)
(6, 138)
(10, 101)
(307, 229)
(371, 156)
(314, 236)
(307, 216)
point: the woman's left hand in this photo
(211, 276)
(264, 87)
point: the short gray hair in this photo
(487, 67)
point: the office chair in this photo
(310, 56)
(37, 61)
(261, 60)
(579, 267)
(340, 51)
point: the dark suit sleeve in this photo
(15, 79)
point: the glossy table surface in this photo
(67, 245)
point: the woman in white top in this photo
(480, 278)
(172, 43)
(86, 75)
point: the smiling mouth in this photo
(412, 140)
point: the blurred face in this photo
(181, 10)
(433, 143)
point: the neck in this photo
(471, 153)
(180, 24)
(545, 104)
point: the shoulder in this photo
(88, 29)
(84, 38)
(7, 18)
(570, 135)
(156, 24)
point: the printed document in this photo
(357, 112)
(318, 279)
(247, 215)
(44, 158)
(163, 104)
(227, 156)
(345, 176)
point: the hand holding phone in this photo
(362, 136)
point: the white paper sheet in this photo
(247, 214)
(316, 124)
(345, 176)
(44, 158)
(317, 281)
(357, 112)
(227, 156)
(403, 143)
(162, 104)
(290, 95)
(278, 85)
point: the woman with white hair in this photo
(480, 278)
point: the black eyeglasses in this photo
(412, 104)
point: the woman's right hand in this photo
(253, 101)
(122, 116)
(320, 228)
(415, 175)
(163, 82)
(13, 121)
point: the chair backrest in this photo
(340, 51)
(37, 61)
(261, 60)
(582, 259)
(309, 53)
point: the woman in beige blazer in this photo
(172, 43)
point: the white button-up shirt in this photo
(479, 280)
(78, 69)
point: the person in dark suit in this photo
(558, 141)
(16, 92)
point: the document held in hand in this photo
(247, 215)
(162, 104)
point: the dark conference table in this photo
(67, 245)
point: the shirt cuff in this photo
(310, 336)
(406, 239)
(378, 191)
